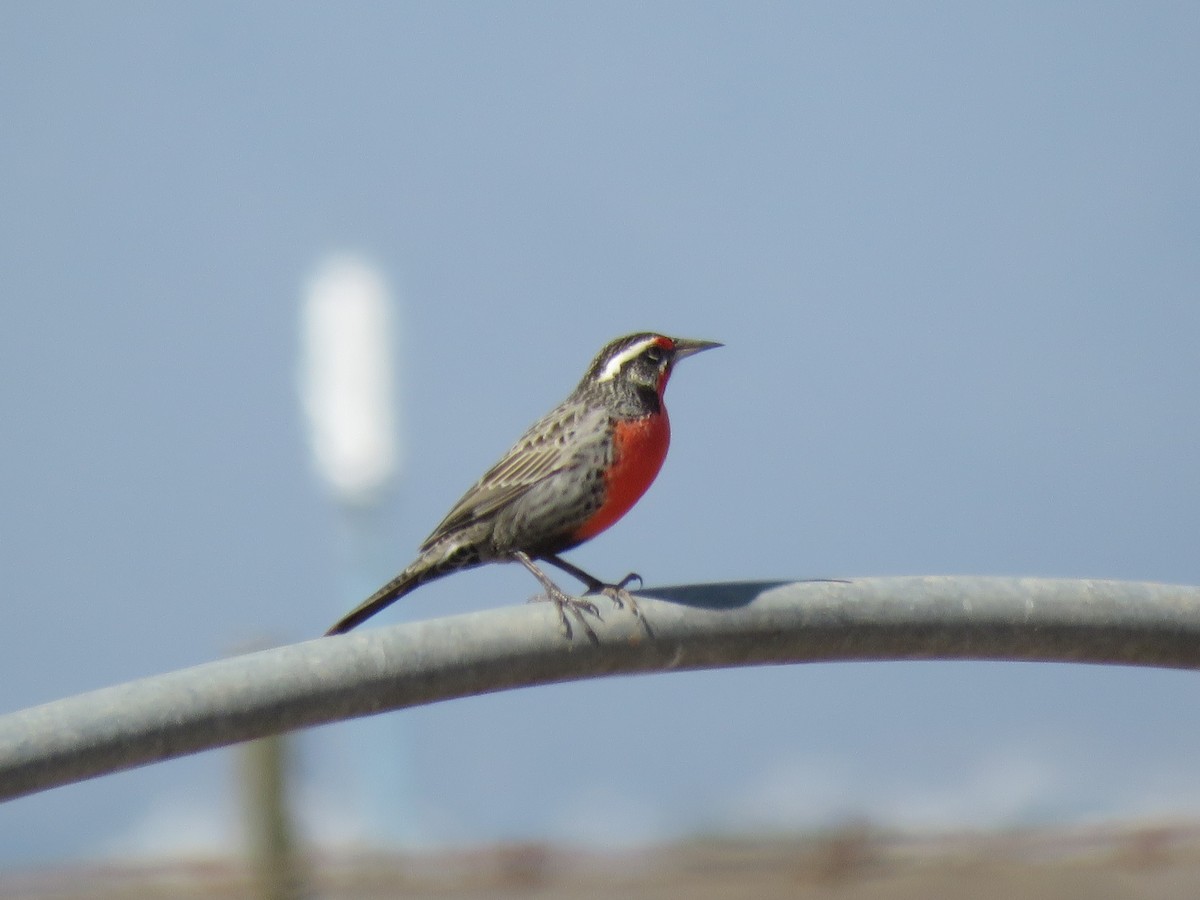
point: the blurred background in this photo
(952, 251)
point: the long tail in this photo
(384, 597)
(442, 558)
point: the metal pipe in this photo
(694, 627)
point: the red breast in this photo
(639, 448)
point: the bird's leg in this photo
(618, 593)
(562, 601)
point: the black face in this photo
(649, 369)
(655, 354)
(639, 360)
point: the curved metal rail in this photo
(694, 627)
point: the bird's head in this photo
(642, 361)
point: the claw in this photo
(629, 579)
(577, 606)
(621, 598)
(619, 594)
(610, 590)
(554, 594)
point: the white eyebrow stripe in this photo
(614, 365)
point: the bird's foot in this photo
(621, 597)
(577, 607)
(618, 593)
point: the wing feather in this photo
(540, 453)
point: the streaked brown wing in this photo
(537, 455)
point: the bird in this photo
(570, 476)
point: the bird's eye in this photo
(655, 354)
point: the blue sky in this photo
(951, 251)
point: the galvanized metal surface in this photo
(694, 627)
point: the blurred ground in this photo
(1153, 862)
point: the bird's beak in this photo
(686, 347)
